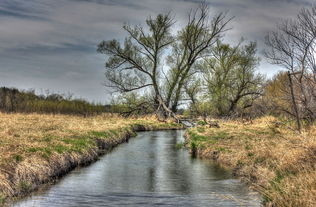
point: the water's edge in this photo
(147, 171)
(60, 165)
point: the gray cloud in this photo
(51, 44)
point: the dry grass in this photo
(279, 162)
(35, 147)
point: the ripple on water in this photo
(148, 171)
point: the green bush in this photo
(201, 123)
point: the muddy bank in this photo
(20, 179)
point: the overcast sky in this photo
(51, 44)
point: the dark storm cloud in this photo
(52, 44)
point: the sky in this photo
(51, 44)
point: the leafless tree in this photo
(293, 46)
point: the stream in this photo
(149, 170)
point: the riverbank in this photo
(275, 160)
(36, 148)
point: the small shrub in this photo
(202, 123)
(193, 146)
(248, 147)
(179, 145)
(250, 154)
(259, 160)
(18, 158)
(240, 163)
(25, 186)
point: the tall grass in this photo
(36, 147)
(279, 162)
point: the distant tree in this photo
(277, 94)
(14, 100)
(230, 77)
(137, 65)
(131, 104)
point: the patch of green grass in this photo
(197, 137)
(200, 129)
(248, 147)
(250, 154)
(25, 186)
(256, 131)
(18, 158)
(221, 135)
(222, 149)
(78, 144)
(173, 124)
(259, 160)
(179, 145)
(47, 138)
(106, 134)
(2, 199)
(193, 147)
(60, 148)
(276, 182)
(45, 151)
(114, 132)
(201, 123)
(99, 134)
(33, 149)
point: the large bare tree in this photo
(293, 46)
(138, 63)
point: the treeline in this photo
(14, 100)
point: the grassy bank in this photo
(35, 149)
(276, 160)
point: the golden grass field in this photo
(36, 147)
(278, 162)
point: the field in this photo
(37, 148)
(277, 161)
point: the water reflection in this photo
(147, 171)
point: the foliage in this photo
(137, 64)
(13, 100)
(231, 83)
(132, 104)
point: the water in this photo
(147, 171)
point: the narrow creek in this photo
(147, 171)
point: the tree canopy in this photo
(158, 61)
